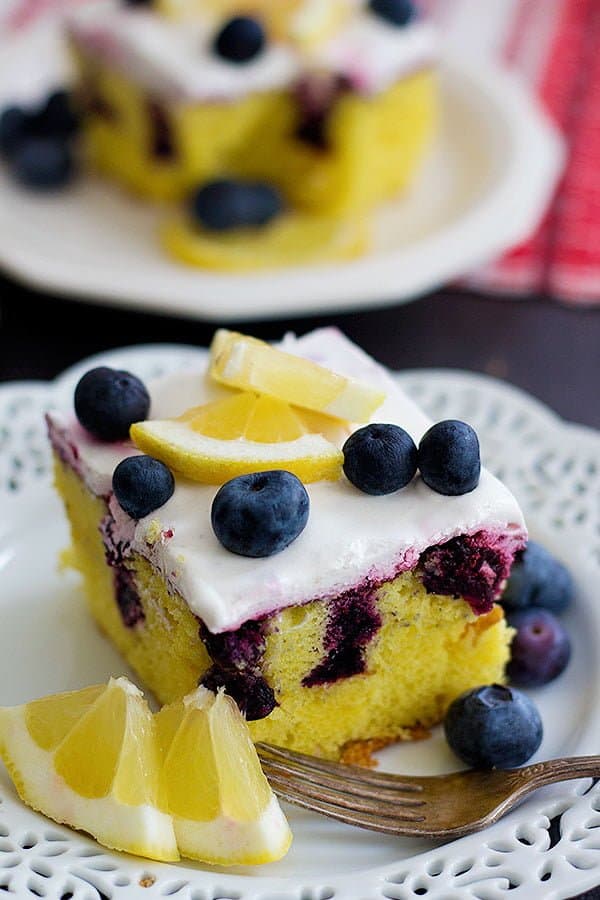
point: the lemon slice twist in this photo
(245, 433)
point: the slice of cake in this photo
(379, 611)
(332, 102)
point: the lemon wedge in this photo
(223, 808)
(90, 759)
(252, 365)
(291, 240)
(245, 433)
(184, 781)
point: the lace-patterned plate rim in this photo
(549, 848)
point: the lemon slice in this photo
(223, 808)
(252, 365)
(90, 759)
(241, 434)
(290, 240)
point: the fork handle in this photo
(564, 768)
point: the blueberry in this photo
(538, 579)
(396, 12)
(141, 484)
(43, 163)
(254, 697)
(240, 39)
(225, 204)
(13, 127)
(449, 458)
(540, 650)
(380, 459)
(493, 727)
(56, 118)
(108, 402)
(260, 514)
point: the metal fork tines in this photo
(437, 806)
(375, 800)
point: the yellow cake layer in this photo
(375, 143)
(429, 649)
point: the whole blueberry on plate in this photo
(380, 458)
(260, 514)
(540, 650)
(225, 204)
(240, 39)
(449, 458)
(13, 127)
(142, 484)
(538, 579)
(493, 726)
(43, 163)
(396, 12)
(108, 402)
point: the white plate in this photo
(48, 643)
(482, 190)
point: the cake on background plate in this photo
(376, 615)
(330, 104)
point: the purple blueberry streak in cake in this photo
(316, 95)
(127, 597)
(255, 698)
(471, 566)
(353, 621)
(237, 656)
(240, 650)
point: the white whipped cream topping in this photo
(173, 58)
(350, 536)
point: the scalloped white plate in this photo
(48, 642)
(482, 190)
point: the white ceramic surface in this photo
(482, 189)
(48, 643)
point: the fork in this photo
(432, 806)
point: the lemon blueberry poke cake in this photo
(275, 124)
(285, 523)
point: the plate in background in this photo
(482, 189)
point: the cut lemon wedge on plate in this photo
(245, 433)
(291, 240)
(213, 786)
(252, 365)
(90, 759)
(184, 781)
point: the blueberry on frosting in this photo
(260, 514)
(380, 459)
(449, 458)
(240, 40)
(108, 402)
(396, 12)
(225, 204)
(142, 484)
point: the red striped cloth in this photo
(555, 46)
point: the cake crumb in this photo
(361, 753)
(147, 881)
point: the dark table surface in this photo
(547, 349)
